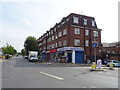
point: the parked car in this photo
(116, 63)
(26, 57)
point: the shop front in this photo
(73, 54)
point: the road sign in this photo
(94, 44)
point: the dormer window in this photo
(63, 22)
(85, 21)
(93, 23)
(75, 19)
(55, 29)
(51, 32)
(67, 19)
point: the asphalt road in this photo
(20, 73)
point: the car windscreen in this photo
(33, 56)
(108, 61)
(115, 61)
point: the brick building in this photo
(73, 31)
(111, 51)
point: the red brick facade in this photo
(112, 51)
(80, 37)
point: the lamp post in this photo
(94, 45)
(106, 56)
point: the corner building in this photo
(74, 32)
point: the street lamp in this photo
(94, 45)
(106, 56)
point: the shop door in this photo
(79, 57)
(70, 57)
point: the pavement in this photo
(20, 73)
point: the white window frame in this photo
(56, 37)
(50, 46)
(85, 21)
(49, 39)
(55, 29)
(53, 46)
(87, 32)
(77, 42)
(87, 43)
(75, 19)
(52, 37)
(58, 26)
(56, 44)
(76, 31)
(63, 22)
(113, 52)
(95, 33)
(60, 34)
(60, 44)
(93, 23)
(49, 33)
(64, 42)
(64, 31)
(108, 51)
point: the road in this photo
(20, 73)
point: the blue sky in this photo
(22, 18)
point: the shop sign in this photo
(53, 51)
(70, 48)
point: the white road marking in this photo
(56, 77)
(28, 68)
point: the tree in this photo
(23, 52)
(9, 50)
(31, 44)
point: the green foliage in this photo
(9, 50)
(23, 52)
(31, 44)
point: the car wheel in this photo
(107, 65)
(113, 65)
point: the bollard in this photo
(93, 65)
(111, 66)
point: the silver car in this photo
(116, 63)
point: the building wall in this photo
(112, 51)
(67, 23)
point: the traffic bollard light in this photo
(93, 65)
(111, 65)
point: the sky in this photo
(22, 18)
